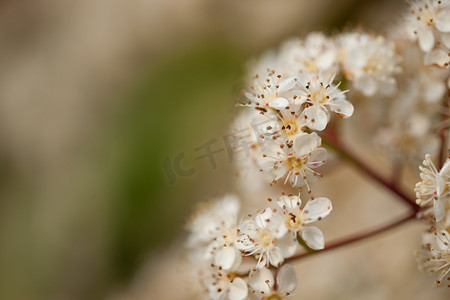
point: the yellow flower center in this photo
(293, 220)
(446, 256)
(295, 162)
(265, 238)
(319, 96)
(274, 296)
(291, 127)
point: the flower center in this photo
(319, 96)
(446, 256)
(265, 239)
(427, 16)
(274, 296)
(290, 127)
(295, 162)
(293, 220)
(229, 236)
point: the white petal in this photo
(249, 96)
(276, 257)
(288, 245)
(262, 217)
(238, 289)
(342, 107)
(444, 237)
(287, 84)
(366, 84)
(316, 209)
(426, 39)
(228, 258)
(228, 209)
(305, 143)
(277, 225)
(317, 117)
(434, 91)
(287, 279)
(442, 20)
(439, 210)
(262, 281)
(440, 185)
(313, 237)
(437, 57)
(445, 39)
(445, 171)
(356, 59)
(279, 103)
(317, 158)
(326, 60)
(290, 203)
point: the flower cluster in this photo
(219, 244)
(428, 22)
(291, 103)
(433, 193)
(434, 189)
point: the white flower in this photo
(285, 124)
(296, 162)
(297, 219)
(319, 93)
(263, 283)
(269, 91)
(434, 186)
(409, 116)
(291, 123)
(407, 134)
(313, 54)
(428, 21)
(368, 61)
(223, 285)
(265, 236)
(435, 254)
(247, 138)
(214, 232)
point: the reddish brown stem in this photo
(356, 237)
(443, 136)
(332, 142)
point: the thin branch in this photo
(442, 155)
(338, 147)
(357, 237)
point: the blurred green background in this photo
(94, 96)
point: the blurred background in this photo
(98, 98)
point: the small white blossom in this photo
(282, 127)
(269, 90)
(369, 61)
(297, 219)
(295, 162)
(214, 233)
(428, 21)
(434, 256)
(223, 285)
(409, 116)
(434, 187)
(265, 236)
(319, 93)
(313, 54)
(263, 283)
(291, 123)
